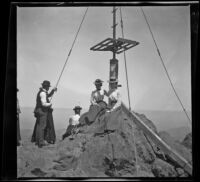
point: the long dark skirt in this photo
(49, 132)
(68, 131)
(94, 110)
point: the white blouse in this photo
(43, 96)
(97, 95)
(114, 95)
(74, 120)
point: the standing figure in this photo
(73, 123)
(18, 126)
(44, 126)
(114, 96)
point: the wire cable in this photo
(129, 102)
(72, 47)
(70, 51)
(165, 67)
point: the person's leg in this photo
(40, 129)
(52, 134)
(33, 138)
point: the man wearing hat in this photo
(97, 95)
(73, 123)
(44, 127)
(18, 126)
(113, 95)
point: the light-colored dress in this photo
(97, 96)
(114, 97)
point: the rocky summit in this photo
(107, 145)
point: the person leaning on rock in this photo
(73, 123)
(42, 112)
(113, 95)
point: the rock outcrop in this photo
(187, 141)
(107, 145)
(182, 150)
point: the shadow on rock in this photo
(38, 172)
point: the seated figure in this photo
(114, 96)
(97, 95)
(73, 123)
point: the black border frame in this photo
(9, 154)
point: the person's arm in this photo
(106, 93)
(118, 103)
(92, 100)
(70, 121)
(44, 100)
(52, 92)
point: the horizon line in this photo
(132, 109)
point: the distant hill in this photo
(163, 120)
(26, 134)
(60, 115)
(179, 133)
(187, 141)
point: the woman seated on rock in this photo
(97, 95)
(73, 123)
(109, 120)
(97, 104)
(114, 96)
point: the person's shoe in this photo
(45, 142)
(51, 142)
(42, 145)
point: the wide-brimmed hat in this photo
(77, 108)
(46, 83)
(113, 80)
(98, 82)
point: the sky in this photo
(45, 36)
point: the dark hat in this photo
(46, 83)
(77, 108)
(98, 81)
(113, 80)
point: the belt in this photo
(113, 102)
(99, 101)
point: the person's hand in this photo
(95, 104)
(55, 89)
(105, 92)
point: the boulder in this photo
(109, 145)
(187, 141)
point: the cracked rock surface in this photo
(110, 146)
